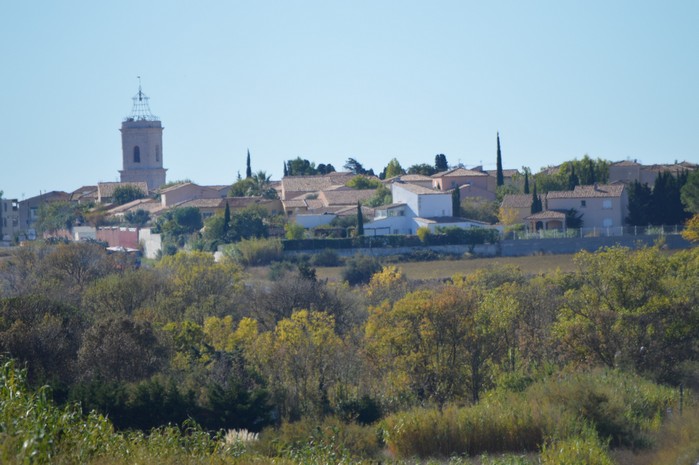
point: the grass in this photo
(441, 269)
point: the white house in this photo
(414, 207)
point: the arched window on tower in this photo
(157, 153)
(137, 154)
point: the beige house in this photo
(516, 207)
(628, 171)
(184, 192)
(601, 206)
(295, 186)
(471, 183)
(417, 179)
(29, 209)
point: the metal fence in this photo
(595, 232)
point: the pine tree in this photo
(360, 220)
(526, 182)
(500, 175)
(248, 170)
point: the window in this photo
(607, 222)
(157, 153)
(607, 204)
(137, 154)
(583, 203)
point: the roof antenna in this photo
(140, 94)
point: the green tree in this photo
(301, 167)
(226, 220)
(360, 220)
(294, 231)
(261, 186)
(137, 218)
(526, 181)
(300, 359)
(248, 169)
(361, 182)
(57, 215)
(500, 175)
(354, 166)
(422, 168)
(536, 202)
(690, 192)
(247, 223)
(393, 169)
(440, 163)
(456, 202)
(434, 345)
(382, 196)
(241, 188)
(127, 193)
(640, 200)
(572, 179)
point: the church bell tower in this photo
(142, 145)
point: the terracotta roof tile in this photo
(584, 192)
(517, 201)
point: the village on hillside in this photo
(146, 212)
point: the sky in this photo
(329, 80)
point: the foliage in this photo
(299, 359)
(690, 192)
(640, 200)
(177, 223)
(361, 182)
(294, 231)
(584, 449)
(360, 220)
(260, 185)
(303, 167)
(248, 223)
(255, 252)
(359, 269)
(392, 169)
(241, 187)
(631, 309)
(479, 210)
(440, 163)
(127, 193)
(382, 196)
(423, 232)
(137, 218)
(456, 202)
(355, 167)
(326, 257)
(691, 229)
(499, 174)
(537, 204)
(422, 168)
(57, 215)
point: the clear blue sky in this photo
(328, 80)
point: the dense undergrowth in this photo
(571, 419)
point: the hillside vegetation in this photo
(194, 361)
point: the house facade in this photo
(599, 205)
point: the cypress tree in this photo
(500, 175)
(537, 206)
(456, 202)
(286, 170)
(572, 178)
(226, 219)
(526, 182)
(360, 220)
(440, 162)
(248, 170)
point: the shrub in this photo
(423, 232)
(584, 449)
(307, 441)
(359, 269)
(326, 257)
(253, 252)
